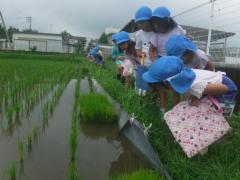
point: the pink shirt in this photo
(159, 40)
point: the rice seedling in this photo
(73, 173)
(17, 107)
(12, 171)
(73, 142)
(74, 126)
(96, 108)
(140, 175)
(9, 114)
(45, 111)
(29, 142)
(20, 150)
(35, 132)
(84, 71)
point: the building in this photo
(3, 44)
(43, 42)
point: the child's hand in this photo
(194, 101)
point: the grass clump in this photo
(140, 175)
(97, 109)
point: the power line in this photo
(195, 7)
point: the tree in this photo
(12, 30)
(80, 45)
(2, 32)
(103, 39)
(30, 30)
(66, 36)
(91, 44)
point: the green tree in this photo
(80, 45)
(12, 30)
(2, 32)
(103, 39)
(66, 36)
(30, 30)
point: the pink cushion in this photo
(196, 128)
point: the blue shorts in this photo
(232, 90)
(140, 83)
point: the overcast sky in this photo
(91, 17)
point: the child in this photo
(164, 27)
(127, 47)
(98, 56)
(115, 51)
(171, 72)
(185, 49)
(143, 38)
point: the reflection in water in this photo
(102, 153)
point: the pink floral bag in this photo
(196, 128)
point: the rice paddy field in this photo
(48, 129)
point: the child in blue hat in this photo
(164, 27)
(115, 51)
(127, 47)
(171, 72)
(143, 37)
(183, 47)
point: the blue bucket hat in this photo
(122, 37)
(144, 13)
(163, 68)
(171, 69)
(114, 37)
(161, 12)
(178, 44)
(182, 81)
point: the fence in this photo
(217, 28)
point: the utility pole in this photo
(29, 19)
(210, 27)
(5, 29)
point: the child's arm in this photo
(215, 89)
(152, 52)
(209, 66)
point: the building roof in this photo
(200, 34)
(47, 34)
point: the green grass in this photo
(221, 162)
(96, 108)
(140, 175)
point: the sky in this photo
(90, 17)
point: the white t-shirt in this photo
(159, 40)
(199, 61)
(143, 42)
(204, 77)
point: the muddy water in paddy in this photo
(101, 152)
(9, 140)
(50, 156)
